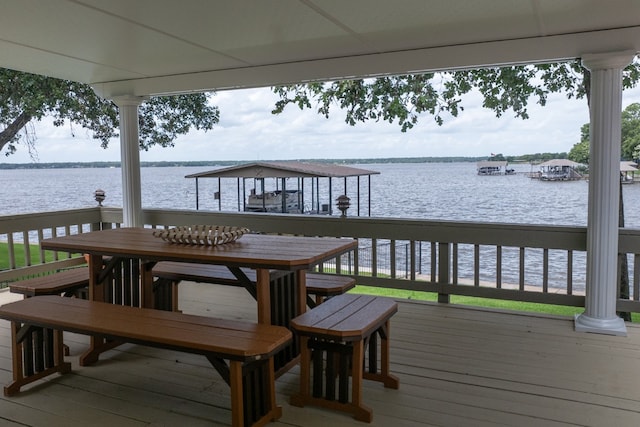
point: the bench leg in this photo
(64, 346)
(36, 353)
(303, 397)
(97, 346)
(342, 361)
(237, 401)
(384, 375)
(361, 412)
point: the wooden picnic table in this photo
(121, 261)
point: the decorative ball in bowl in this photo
(207, 235)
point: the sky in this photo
(248, 131)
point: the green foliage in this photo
(405, 98)
(537, 157)
(387, 98)
(630, 137)
(580, 151)
(497, 157)
(25, 97)
(631, 132)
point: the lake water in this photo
(436, 191)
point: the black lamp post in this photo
(100, 196)
(343, 204)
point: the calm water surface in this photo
(438, 191)
(435, 191)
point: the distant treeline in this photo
(526, 158)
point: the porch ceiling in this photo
(148, 47)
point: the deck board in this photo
(457, 367)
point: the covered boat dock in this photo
(284, 171)
(557, 170)
(627, 172)
(494, 167)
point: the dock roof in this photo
(491, 163)
(285, 169)
(628, 166)
(560, 162)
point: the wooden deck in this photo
(457, 367)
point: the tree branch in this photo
(10, 132)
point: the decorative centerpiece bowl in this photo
(207, 235)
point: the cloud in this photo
(248, 131)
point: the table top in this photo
(251, 250)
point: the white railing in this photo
(22, 232)
(504, 261)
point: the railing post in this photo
(443, 271)
(374, 257)
(12, 253)
(392, 259)
(499, 267)
(356, 261)
(433, 262)
(406, 263)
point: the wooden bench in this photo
(336, 334)
(169, 274)
(36, 334)
(66, 283)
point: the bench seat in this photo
(333, 339)
(321, 286)
(37, 324)
(66, 282)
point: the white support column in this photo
(604, 192)
(130, 160)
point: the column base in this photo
(615, 326)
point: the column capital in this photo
(609, 60)
(128, 100)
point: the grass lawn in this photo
(20, 256)
(559, 310)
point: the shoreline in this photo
(522, 159)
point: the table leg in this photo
(301, 284)
(96, 288)
(118, 281)
(281, 296)
(146, 284)
(97, 292)
(263, 295)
